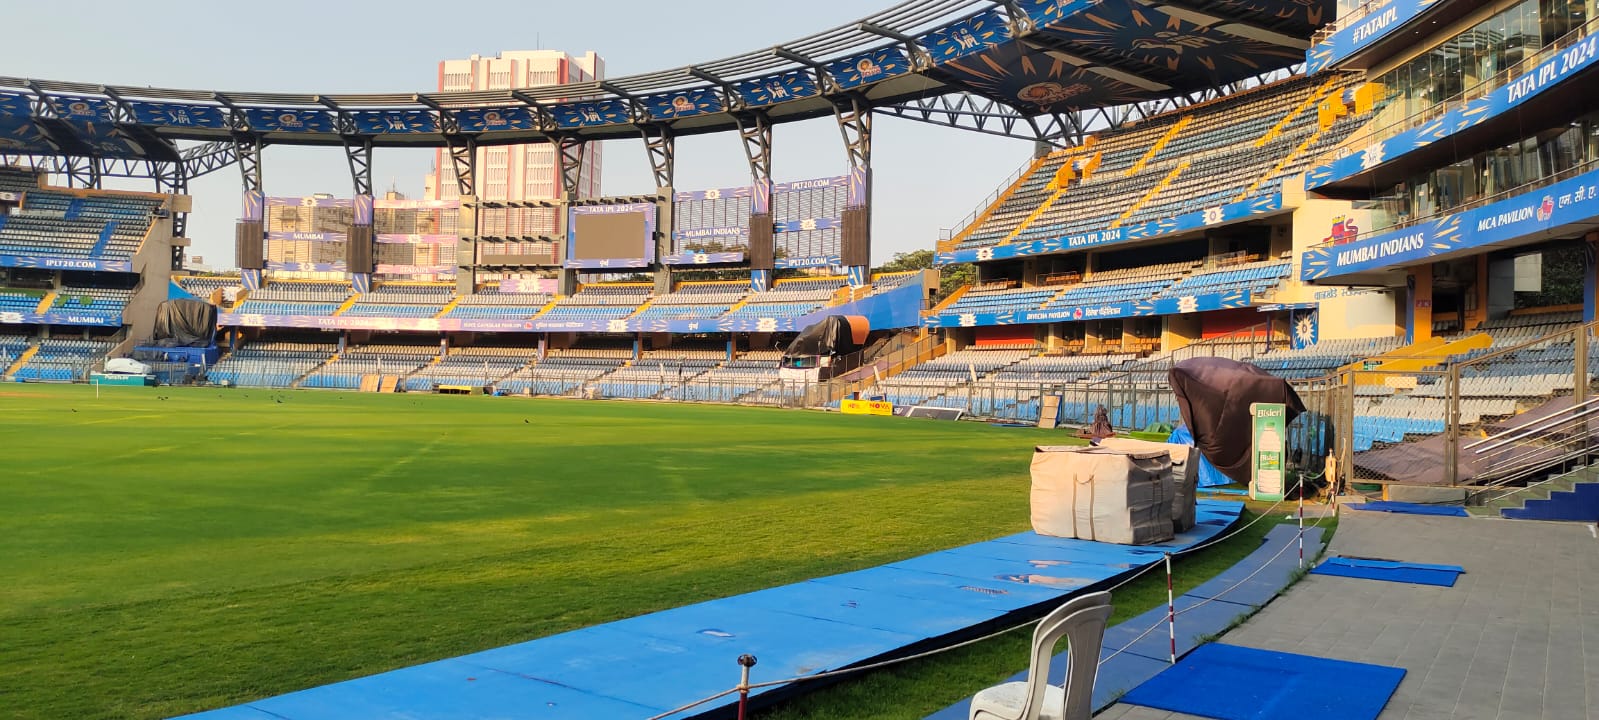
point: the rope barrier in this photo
(990, 636)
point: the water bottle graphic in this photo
(1269, 471)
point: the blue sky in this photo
(926, 177)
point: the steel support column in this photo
(358, 151)
(854, 116)
(755, 132)
(661, 147)
(463, 159)
(570, 151)
(248, 150)
(82, 172)
(755, 129)
(173, 179)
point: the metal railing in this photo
(1465, 422)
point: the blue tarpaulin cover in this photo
(1209, 476)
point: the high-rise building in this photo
(513, 173)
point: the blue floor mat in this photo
(1228, 682)
(1126, 661)
(1405, 508)
(642, 666)
(1390, 571)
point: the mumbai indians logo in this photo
(1049, 93)
(1343, 230)
(1546, 209)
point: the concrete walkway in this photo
(1517, 638)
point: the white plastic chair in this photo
(1082, 622)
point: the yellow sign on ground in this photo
(866, 407)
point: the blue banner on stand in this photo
(252, 206)
(1187, 222)
(250, 279)
(760, 92)
(88, 319)
(858, 276)
(1142, 308)
(1563, 203)
(698, 258)
(1305, 326)
(804, 263)
(1351, 37)
(760, 280)
(60, 263)
(361, 283)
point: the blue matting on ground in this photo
(1126, 660)
(1228, 682)
(1405, 508)
(1390, 571)
(651, 664)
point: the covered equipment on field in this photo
(1214, 395)
(185, 323)
(1184, 472)
(1104, 494)
(834, 335)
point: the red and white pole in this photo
(1171, 612)
(1301, 524)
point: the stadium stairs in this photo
(1428, 353)
(449, 306)
(46, 301)
(953, 298)
(348, 303)
(1160, 144)
(22, 359)
(1309, 102)
(999, 200)
(1153, 191)
(1572, 497)
(296, 382)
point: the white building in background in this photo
(514, 173)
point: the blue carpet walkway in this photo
(649, 665)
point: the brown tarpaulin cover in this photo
(1214, 395)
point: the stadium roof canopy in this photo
(1036, 57)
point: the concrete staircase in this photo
(1573, 496)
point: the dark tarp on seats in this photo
(834, 335)
(1214, 395)
(185, 323)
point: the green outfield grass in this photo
(169, 550)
